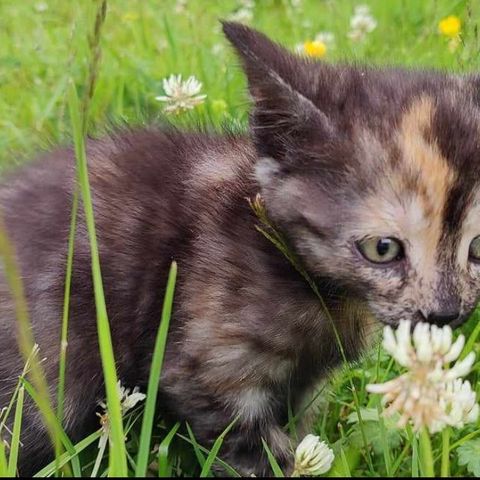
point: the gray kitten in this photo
(371, 174)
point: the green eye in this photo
(383, 250)
(474, 250)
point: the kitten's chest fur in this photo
(245, 319)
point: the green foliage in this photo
(379, 441)
(469, 455)
(154, 380)
(277, 471)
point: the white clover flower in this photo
(328, 38)
(181, 95)
(312, 457)
(127, 401)
(242, 15)
(361, 23)
(430, 393)
(460, 403)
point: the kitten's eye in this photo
(474, 250)
(382, 250)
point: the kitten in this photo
(371, 174)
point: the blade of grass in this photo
(464, 439)
(415, 458)
(155, 372)
(118, 459)
(277, 471)
(346, 467)
(196, 447)
(470, 343)
(3, 461)
(214, 451)
(228, 469)
(445, 465)
(66, 457)
(66, 310)
(102, 445)
(36, 397)
(17, 425)
(386, 447)
(26, 339)
(400, 459)
(5, 412)
(79, 121)
(164, 467)
(348, 461)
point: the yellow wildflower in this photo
(450, 26)
(315, 48)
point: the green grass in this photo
(65, 73)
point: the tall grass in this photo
(79, 112)
(26, 341)
(154, 380)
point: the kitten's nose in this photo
(442, 318)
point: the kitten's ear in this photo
(283, 87)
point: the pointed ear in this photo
(283, 87)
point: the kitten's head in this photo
(374, 175)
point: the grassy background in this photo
(43, 44)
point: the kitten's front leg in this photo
(242, 448)
(257, 414)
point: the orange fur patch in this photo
(424, 161)
(423, 158)
(410, 203)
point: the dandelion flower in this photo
(181, 95)
(312, 457)
(450, 26)
(361, 23)
(315, 49)
(431, 393)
